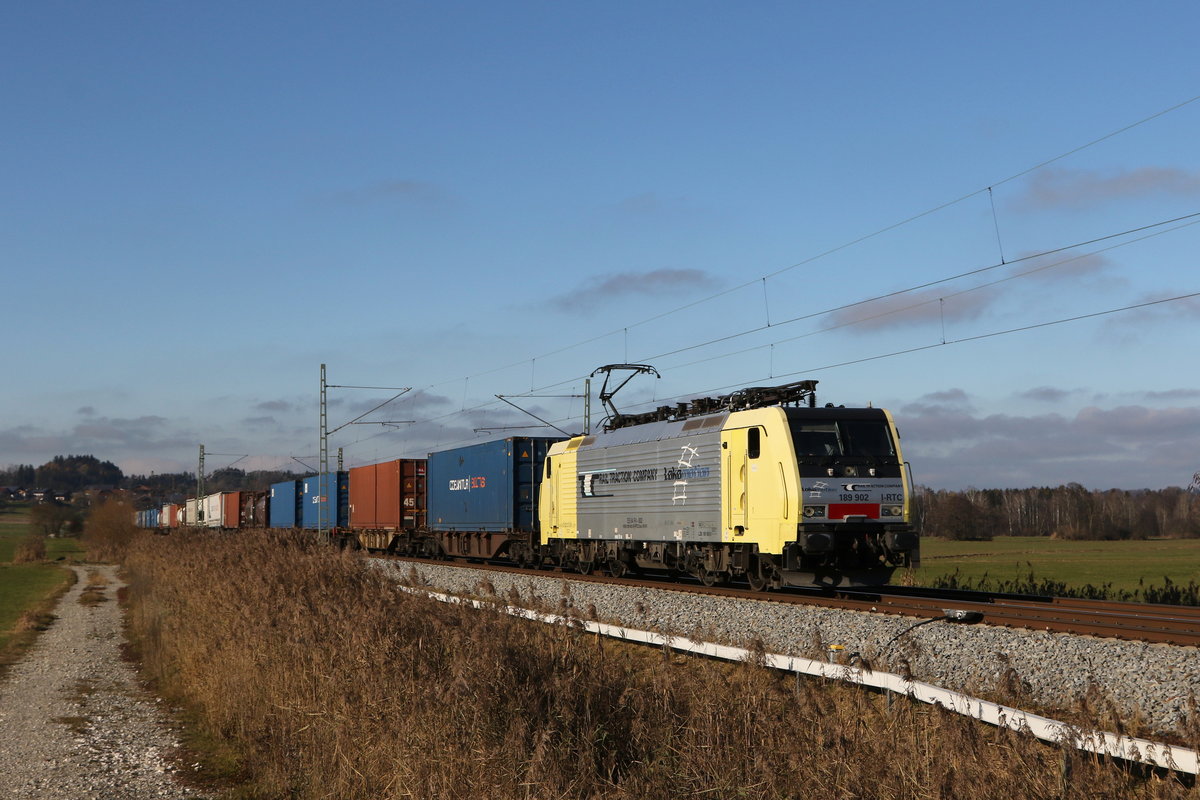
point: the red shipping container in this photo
(388, 496)
(362, 497)
(231, 509)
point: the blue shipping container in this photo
(283, 505)
(487, 487)
(337, 501)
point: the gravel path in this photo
(74, 724)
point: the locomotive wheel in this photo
(755, 577)
(617, 568)
(711, 578)
(758, 582)
(584, 567)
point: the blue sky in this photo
(204, 202)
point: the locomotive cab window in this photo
(835, 438)
(868, 438)
(816, 439)
(754, 442)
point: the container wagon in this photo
(482, 501)
(386, 499)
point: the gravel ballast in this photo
(74, 723)
(1053, 670)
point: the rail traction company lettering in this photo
(626, 476)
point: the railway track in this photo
(1176, 625)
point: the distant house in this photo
(101, 492)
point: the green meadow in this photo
(28, 587)
(1123, 565)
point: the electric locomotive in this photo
(759, 485)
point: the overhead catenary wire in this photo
(823, 367)
(902, 309)
(624, 330)
(1187, 219)
(866, 359)
(831, 251)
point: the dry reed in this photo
(332, 682)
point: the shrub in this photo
(108, 532)
(30, 550)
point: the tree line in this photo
(227, 479)
(74, 473)
(63, 474)
(1064, 512)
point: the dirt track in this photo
(74, 722)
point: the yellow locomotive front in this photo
(823, 494)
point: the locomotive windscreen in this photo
(857, 434)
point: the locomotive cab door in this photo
(734, 491)
(755, 499)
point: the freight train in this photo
(760, 486)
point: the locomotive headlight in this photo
(814, 511)
(892, 511)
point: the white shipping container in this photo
(213, 510)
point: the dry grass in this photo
(33, 621)
(331, 682)
(93, 591)
(109, 531)
(30, 550)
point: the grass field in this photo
(14, 526)
(1125, 565)
(28, 587)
